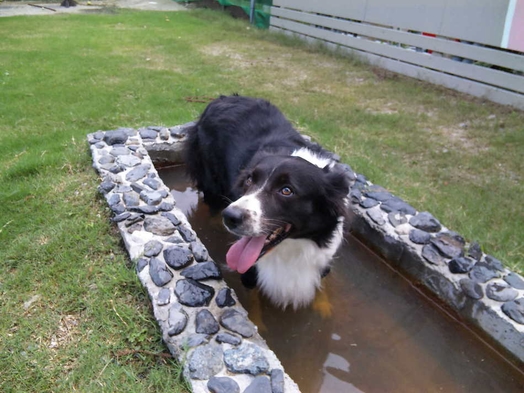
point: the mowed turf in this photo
(73, 314)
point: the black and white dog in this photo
(287, 196)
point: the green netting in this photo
(262, 9)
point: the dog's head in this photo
(283, 197)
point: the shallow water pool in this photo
(382, 335)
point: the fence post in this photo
(252, 12)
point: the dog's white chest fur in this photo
(290, 274)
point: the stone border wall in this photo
(476, 286)
(176, 269)
(202, 323)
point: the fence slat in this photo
(479, 53)
(456, 83)
(474, 72)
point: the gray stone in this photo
(175, 239)
(222, 385)
(116, 169)
(514, 280)
(131, 199)
(187, 233)
(153, 183)
(119, 151)
(474, 251)
(199, 251)
(152, 248)
(501, 291)
(115, 137)
(195, 339)
(122, 188)
(171, 217)
(397, 205)
(494, 263)
(376, 216)
(471, 288)
(137, 187)
(106, 186)
(164, 134)
(224, 298)
(381, 196)
(236, 322)
(206, 323)
(247, 359)
(138, 172)
(432, 255)
(193, 293)
(355, 195)
(119, 208)
(145, 209)
(166, 206)
(128, 131)
(177, 320)
(361, 178)
(100, 145)
(515, 310)
(228, 338)
(418, 236)
(113, 200)
(277, 380)
(129, 160)
(135, 227)
(159, 226)
(397, 218)
(151, 197)
(461, 265)
(121, 217)
(164, 297)
(141, 264)
(107, 159)
(426, 222)
(205, 361)
(202, 271)
(99, 135)
(449, 244)
(159, 272)
(482, 272)
(148, 133)
(178, 257)
(260, 384)
(133, 219)
(368, 203)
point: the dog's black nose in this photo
(233, 217)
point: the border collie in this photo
(286, 197)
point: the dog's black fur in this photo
(242, 145)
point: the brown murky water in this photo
(382, 334)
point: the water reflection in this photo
(382, 336)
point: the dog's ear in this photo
(337, 180)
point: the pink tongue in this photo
(244, 253)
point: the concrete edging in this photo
(469, 281)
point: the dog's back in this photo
(230, 133)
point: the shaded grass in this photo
(64, 76)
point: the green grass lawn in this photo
(73, 315)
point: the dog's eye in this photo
(248, 181)
(286, 191)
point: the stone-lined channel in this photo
(204, 325)
(382, 335)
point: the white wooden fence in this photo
(473, 46)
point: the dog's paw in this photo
(322, 305)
